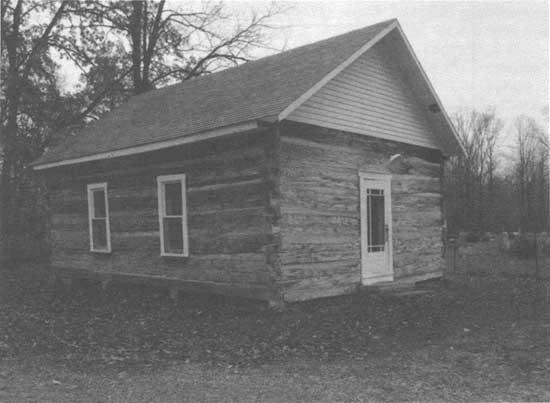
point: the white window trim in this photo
(161, 212)
(91, 188)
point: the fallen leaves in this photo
(135, 325)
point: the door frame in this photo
(386, 179)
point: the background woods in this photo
(502, 182)
(120, 49)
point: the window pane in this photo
(172, 194)
(376, 224)
(99, 203)
(173, 235)
(99, 233)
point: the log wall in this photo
(230, 215)
(269, 213)
(320, 209)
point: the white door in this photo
(376, 228)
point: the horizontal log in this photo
(204, 225)
(414, 184)
(148, 189)
(402, 204)
(133, 221)
(296, 294)
(321, 225)
(327, 136)
(296, 173)
(285, 209)
(293, 237)
(240, 195)
(321, 269)
(337, 156)
(313, 201)
(317, 287)
(231, 243)
(199, 244)
(418, 221)
(415, 237)
(69, 222)
(293, 253)
(224, 185)
(422, 167)
(244, 268)
(222, 223)
(245, 290)
(415, 278)
(70, 240)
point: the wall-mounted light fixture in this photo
(434, 108)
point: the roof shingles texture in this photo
(254, 90)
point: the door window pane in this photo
(375, 220)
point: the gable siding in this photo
(370, 97)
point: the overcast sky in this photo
(477, 54)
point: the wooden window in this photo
(172, 215)
(98, 218)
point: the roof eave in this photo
(205, 135)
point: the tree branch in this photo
(42, 41)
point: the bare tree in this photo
(528, 142)
(121, 48)
(531, 172)
(157, 45)
(471, 178)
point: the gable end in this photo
(370, 97)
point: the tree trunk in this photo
(149, 43)
(136, 36)
(10, 130)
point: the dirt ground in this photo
(449, 342)
(428, 374)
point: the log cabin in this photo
(305, 174)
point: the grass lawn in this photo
(132, 344)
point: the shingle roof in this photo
(254, 90)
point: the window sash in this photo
(173, 240)
(173, 235)
(100, 234)
(98, 198)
